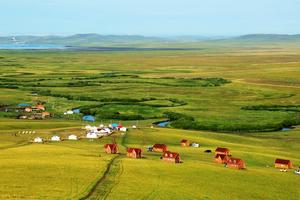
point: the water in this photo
(31, 46)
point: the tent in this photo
(55, 138)
(38, 140)
(88, 118)
(72, 137)
(91, 135)
(114, 125)
(76, 110)
(69, 112)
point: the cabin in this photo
(184, 143)
(55, 138)
(236, 163)
(159, 148)
(111, 148)
(38, 140)
(72, 137)
(222, 151)
(134, 153)
(283, 164)
(221, 159)
(171, 157)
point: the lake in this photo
(31, 46)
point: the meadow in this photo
(236, 97)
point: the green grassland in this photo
(238, 98)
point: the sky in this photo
(149, 17)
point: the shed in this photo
(111, 148)
(283, 164)
(55, 138)
(236, 163)
(159, 148)
(88, 118)
(221, 158)
(184, 143)
(222, 151)
(72, 137)
(38, 140)
(171, 157)
(134, 153)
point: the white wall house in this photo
(55, 138)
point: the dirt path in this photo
(265, 84)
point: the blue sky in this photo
(149, 17)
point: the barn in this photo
(221, 158)
(171, 157)
(184, 143)
(111, 148)
(236, 163)
(283, 164)
(159, 148)
(134, 153)
(222, 151)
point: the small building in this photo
(134, 153)
(72, 137)
(55, 138)
(222, 151)
(221, 158)
(236, 163)
(159, 148)
(69, 112)
(111, 148)
(91, 135)
(38, 140)
(40, 107)
(24, 105)
(171, 157)
(77, 110)
(28, 109)
(184, 143)
(45, 114)
(88, 118)
(283, 164)
(123, 129)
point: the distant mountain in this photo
(268, 37)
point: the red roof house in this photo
(222, 151)
(184, 143)
(111, 148)
(171, 157)
(221, 158)
(39, 107)
(283, 164)
(236, 163)
(160, 148)
(134, 153)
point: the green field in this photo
(238, 98)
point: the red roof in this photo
(282, 161)
(160, 146)
(120, 126)
(111, 146)
(137, 151)
(169, 154)
(184, 141)
(220, 149)
(235, 161)
(222, 156)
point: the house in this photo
(184, 143)
(236, 163)
(91, 135)
(222, 151)
(283, 164)
(55, 138)
(28, 109)
(38, 140)
(45, 114)
(111, 148)
(123, 129)
(171, 157)
(134, 153)
(88, 118)
(72, 137)
(40, 107)
(221, 158)
(159, 148)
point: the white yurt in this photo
(133, 126)
(123, 129)
(55, 138)
(91, 135)
(196, 145)
(72, 137)
(101, 126)
(38, 140)
(70, 112)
